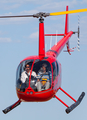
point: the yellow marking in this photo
(69, 12)
(44, 80)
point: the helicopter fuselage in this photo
(31, 94)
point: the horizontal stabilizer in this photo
(70, 50)
(69, 109)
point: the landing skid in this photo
(8, 109)
(69, 109)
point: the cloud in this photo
(13, 4)
(29, 12)
(84, 1)
(5, 40)
(45, 5)
(1, 33)
(6, 5)
(34, 35)
(25, 1)
(58, 6)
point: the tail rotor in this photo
(78, 32)
(78, 42)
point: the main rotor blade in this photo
(68, 12)
(41, 14)
(17, 16)
(37, 15)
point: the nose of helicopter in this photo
(29, 91)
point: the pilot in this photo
(25, 76)
(43, 79)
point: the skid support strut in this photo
(69, 109)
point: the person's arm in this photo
(23, 77)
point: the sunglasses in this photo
(27, 67)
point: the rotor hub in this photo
(41, 14)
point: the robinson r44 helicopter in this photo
(39, 77)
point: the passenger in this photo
(26, 73)
(25, 77)
(43, 79)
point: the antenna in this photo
(51, 42)
(56, 37)
(45, 47)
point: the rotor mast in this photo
(41, 38)
(41, 16)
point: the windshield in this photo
(37, 75)
(43, 78)
(23, 75)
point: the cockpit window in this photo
(35, 74)
(44, 76)
(23, 74)
(55, 69)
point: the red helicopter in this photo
(38, 78)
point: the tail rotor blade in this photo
(78, 42)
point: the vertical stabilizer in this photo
(66, 22)
(66, 30)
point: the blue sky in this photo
(19, 39)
